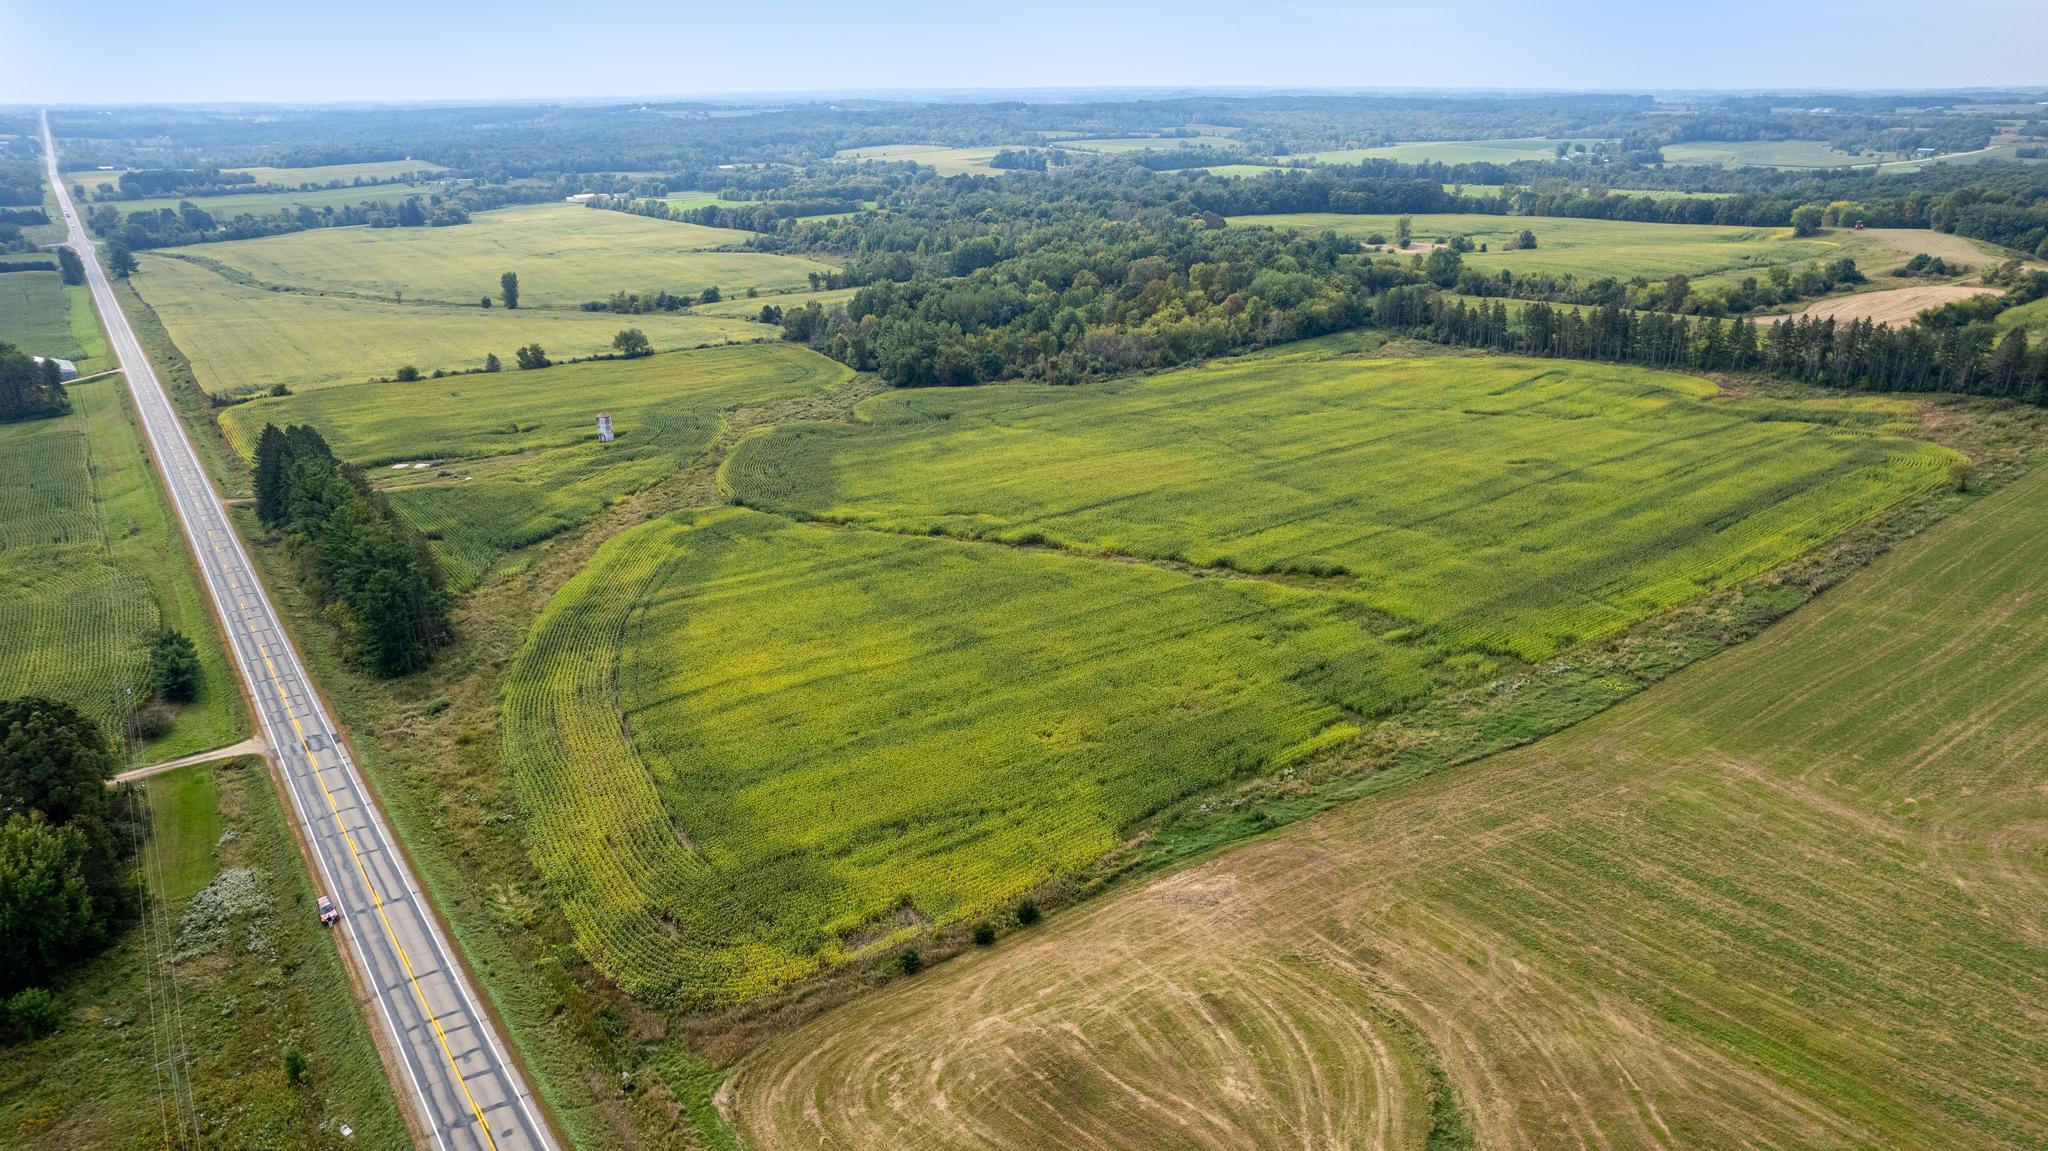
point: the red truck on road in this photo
(328, 913)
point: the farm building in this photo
(66, 370)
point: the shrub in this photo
(408, 374)
(1027, 913)
(632, 343)
(910, 961)
(294, 1066)
(154, 721)
(31, 1013)
(984, 934)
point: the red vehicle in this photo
(329, 914)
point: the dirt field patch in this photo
(1893, 306)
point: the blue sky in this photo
(193, 50)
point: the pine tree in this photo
(273, 458)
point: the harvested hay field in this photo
(1891, 306)
(1791, 898)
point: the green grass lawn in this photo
(274, 982)
(242, 339)
(523, 460)
(867, 714)
(565, 255)
(93, 566)
(184, 808)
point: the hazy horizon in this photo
(388, 53)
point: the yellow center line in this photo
(356, 854)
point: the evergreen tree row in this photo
(376, 576)
(1858, 355)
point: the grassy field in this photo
(42, 316)
(244, 339)
(1789, 898)
(1239, 171)
(1765, 154)
(517, 453)
(782, 797)
(974, 160)
(1369, 469)
(1997, 151)
(788, 798)
(1652, 193)
(2033, 318)
(564, 254)
(274, 982)
(1712, 255)
(948, 161)
(1116, 145)
(93, 567)
(1451, 151)
(328, 173)
(697, 199)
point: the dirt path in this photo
(254, 745)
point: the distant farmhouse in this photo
(66, 370)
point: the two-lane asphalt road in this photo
(464, 1088)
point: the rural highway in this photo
(465, 1091)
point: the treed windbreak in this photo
(379, 580)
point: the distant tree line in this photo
(377, 577)
(21, 183)
(1029, 159)
(190, 223)
(1859, 355)
(29, 390)
(1777, 285)
(975, 279)
(767, 216)
(150, 182)
(1078, 299)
